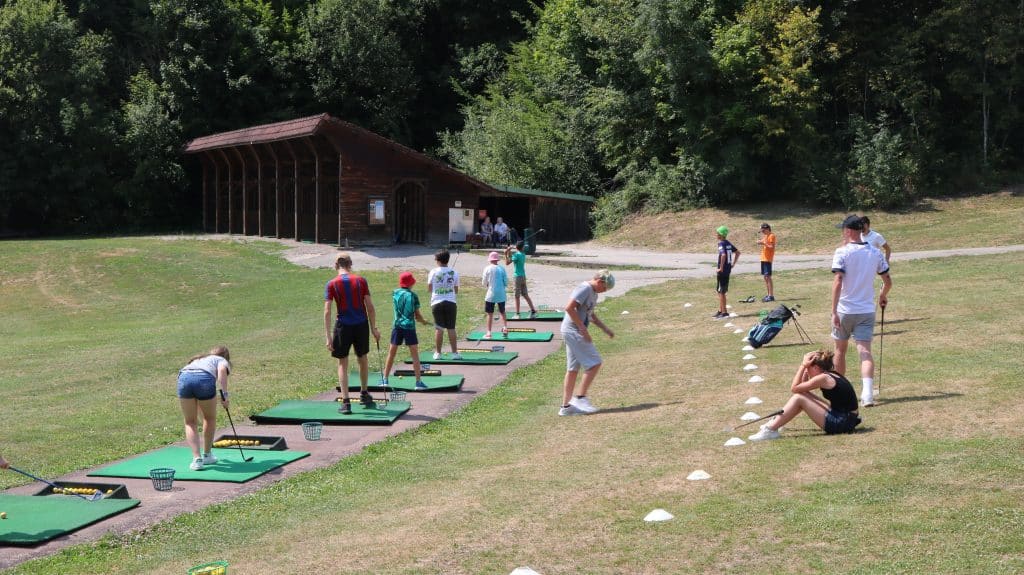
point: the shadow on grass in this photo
(909, 398)
(637, 407)
(904, 320)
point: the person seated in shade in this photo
(500, 232)
(817, 371)
(487, 230)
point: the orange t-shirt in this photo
(768, 249)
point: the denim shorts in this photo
(840, 422)
(196, 384)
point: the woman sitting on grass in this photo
(197, 391)
(817, 372)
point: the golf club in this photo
(735, 427)
(94, 497)
(458, 252)
(881, 340)
(235, 431)
(380, 364)
(534, 234)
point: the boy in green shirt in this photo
(517, 258)
(407, 313)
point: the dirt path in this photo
(568, 265)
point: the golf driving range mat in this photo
(229, 467)
(326, 412)
(32, 519)
(470, 357)
(404, 382)
(541, 316)
(497, 337)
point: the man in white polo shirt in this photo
(854, 266)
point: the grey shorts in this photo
(520, 288)
(579, 352)
(860, 325)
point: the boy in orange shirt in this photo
(767, 244)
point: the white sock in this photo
(866, 391)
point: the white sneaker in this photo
(437, 356)
(197, 464)
(209, 459)
(765, 434)
(457, 356)
(583, 404)
(867, 402)
(570, 410)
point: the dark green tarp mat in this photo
(450, 382)
(36, 519)
(230, 467)
(326, 412)
(498, 338)
(541, 316)
(470, 357)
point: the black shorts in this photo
(840, 422)
(766, 268)
(347, 336)
(723, 283)
(444, 314)
(489, 307)
(405, 336)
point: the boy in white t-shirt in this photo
(874, 238)
(443, 282)
(854, 266)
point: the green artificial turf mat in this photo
(326, 412)
(229, 467)
(512, 336)
(34, 519)
(451, 382)
(470, 357)
(541, 316)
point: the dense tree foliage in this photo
(651, 105)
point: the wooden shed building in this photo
(324, 180)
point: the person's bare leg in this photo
(867, 362)
(588, 378)
(414, 350)
(392, 350)
(529, 302)
(839, 360)
(568, 386)
(343, 377)
(452, 340)
(721, 303)
(799, 402)
(364, 371)
(190, 410)
(208, 408)
(770, 285)
(439, 339)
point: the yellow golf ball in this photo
(3, 515)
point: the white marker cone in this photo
(749, 367)
(734, 441)
(659, 515)
(754, 400)
(688, 304)
(755, 379)
(727, 306)
(698, 475)
(747, 347)
(749, 416)
(750, 356)
(624, 312)
(523, 571)
(738, 331)
(734, 314)
(730, 324)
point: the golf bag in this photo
(771, 325)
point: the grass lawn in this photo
(931, 224)
(932, 484)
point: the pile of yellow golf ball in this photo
(234, 442)
(211, 570)
(78, 490)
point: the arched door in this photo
(410, 212)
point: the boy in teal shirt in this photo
(518, 260)
(407, 313)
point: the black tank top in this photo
(841, 397)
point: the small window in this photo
(376, 212)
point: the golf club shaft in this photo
(534, 234)
(53, 485)
(380, 360)
(779, 412)
(233, 430)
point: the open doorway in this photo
(513, 211)
(410, 213)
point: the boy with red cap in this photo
(403, 331)
(495, 280)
